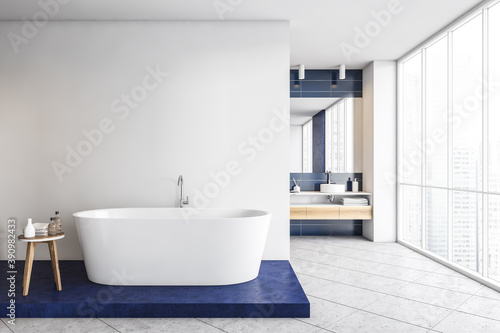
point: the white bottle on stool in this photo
(29, 231)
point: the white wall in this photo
(379, 148)
(295, 148)
(225, 79)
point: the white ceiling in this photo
(302, 109)
(317, 27)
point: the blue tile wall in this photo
(318, 144)
(329, 227)
(325, 83)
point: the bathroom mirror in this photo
(326, 134)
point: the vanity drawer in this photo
(322, 213)
(298, 213)
(355, 213)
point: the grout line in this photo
(357, 310)
(383, 262)
(409, 282)
(475, 294)
(358, 249)
(439, 322)
(476, 315)
(401, 321)
(220, 329)
(450, 310)
(388, 294)
(365, 260)
(365, 272)
(2, 320)
(473, 314)
(310, 324)
(102, 321)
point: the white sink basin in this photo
(332, 188)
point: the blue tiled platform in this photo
(275, 293)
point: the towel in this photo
(41, 226)
(354, 201)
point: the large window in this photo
(339, 136)
(449, 145)
(307, 160)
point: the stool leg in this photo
(55, 264)
(28, 266)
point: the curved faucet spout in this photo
(180, 181)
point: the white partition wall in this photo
(379, 148)
(109, 114)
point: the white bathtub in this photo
(172, 246)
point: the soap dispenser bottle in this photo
(58, 222)
(349, 184)
(355, 185)
(52, 227)
(29, 231)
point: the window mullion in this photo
(423, 151)
(485, 144)
(450, 146)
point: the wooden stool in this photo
(30, 254)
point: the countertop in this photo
(321, 193)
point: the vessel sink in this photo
(332, 188)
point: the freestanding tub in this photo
(172, 246)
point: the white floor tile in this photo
(364, 322)
(481, 306)
(447, 271)
(409, 311)
(306, 267)
(74, 325)
(335, 274)
(423, 265)
(4, 326)
(394, 250)
(374, 282)
(332, 259)
(464, 285)
(325, 313)
(347, 295)
(488, 292)
(355, 264)
(310, 283)
(167, 325)
(431, 295)
(253, 325)
(401, 273)
(462, 322)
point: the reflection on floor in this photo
(353, 286)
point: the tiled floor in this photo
(353, 286)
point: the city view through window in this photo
(449, 145)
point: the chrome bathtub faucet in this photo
(182, 202)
